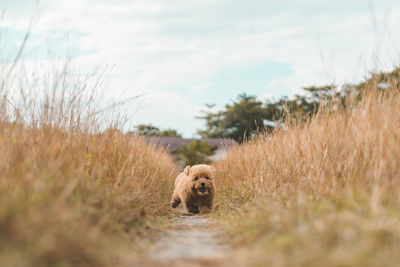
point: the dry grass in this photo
(324, 193)
(71, 194)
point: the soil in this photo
(189, 241)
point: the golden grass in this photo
(70, 194)
(324, 193)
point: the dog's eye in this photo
(207, 177)
(196, 178)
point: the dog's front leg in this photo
(192, 208)
(175, 201)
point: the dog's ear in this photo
(187, 169)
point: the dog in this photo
(195, 188)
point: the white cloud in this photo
(159, 45)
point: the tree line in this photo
(248, 117)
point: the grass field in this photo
(321, 193)
(70, 193)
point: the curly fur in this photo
(195, 188)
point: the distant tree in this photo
(382, 80)
(195, 153)
(150, 130)
(248, 117)
(239, 120)
(169, 132)
(301, 106)
(146, 130)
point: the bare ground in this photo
(189, 241)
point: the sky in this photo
(181, 55)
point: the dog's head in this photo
(201, 178)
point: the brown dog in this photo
(195, 188)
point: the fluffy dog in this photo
(195, 188)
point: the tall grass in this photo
(321, 193)
(72, 194)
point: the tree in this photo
(195, 153)
(248, 117)
(170, 133)
(382, 80)
(240, 120)
(299, 107)
(146, 130)
(150, 130)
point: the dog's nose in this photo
(203, 184)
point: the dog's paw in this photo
(174, 203)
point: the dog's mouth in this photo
(203, 190)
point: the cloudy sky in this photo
(184, 54)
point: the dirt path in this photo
(190, 241)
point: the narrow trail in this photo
(189, 241)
